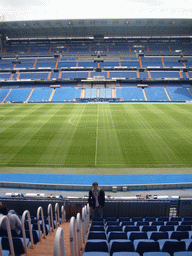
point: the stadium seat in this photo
(114, 235)
(158, 235)
(96, 245)
(125, 254)
(113, 228)
(97, 235)
(156, 254)
(130, 228)
(96, 254)
(137, 235)
(148, 228)
(173, 246)
(17, 244)
(142, 246)
(122, 245)
(97, 228)
(179, 235)
(182, 253)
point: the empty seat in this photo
(179, 235)
(113, 228)
(137, 235)
(97, 235)
(125, 254)
(17, 244)
(136, 219)
(157, 223)
(149, 228)
(184, 228)
(175, 218)
(150, 219)
(112, 223)
(158, 235)
(172, 223)
(146, 246)
(96, 254)
(156, 254)
(166, 228)
(122, 245)
(97, 245)
(124, 219)
(163, 218)
(97, 228)
(114, 235)
(97, 223)
(173, 246)
(142, 223)
(130, 228)
(110, 219)
(126, 223)
(183, 253)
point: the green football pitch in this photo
(99, 135)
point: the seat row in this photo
(112, 237)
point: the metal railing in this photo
(27, 213)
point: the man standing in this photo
(96, 201)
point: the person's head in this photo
(3, 209)
(95, 185)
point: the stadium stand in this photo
(126, 69)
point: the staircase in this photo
(46, 246)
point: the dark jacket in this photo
(101, 198)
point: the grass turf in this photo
(96, 135)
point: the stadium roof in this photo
(96, 28)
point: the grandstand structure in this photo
(101, 61)
(97, 67)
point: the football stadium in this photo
(100, 94)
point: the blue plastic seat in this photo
(122, 245)
(126, 223)
(142, 246)
(173, 246)
(167, 228)
(130, 228)
(96, 254)
(114, 235)
(97, 223)
(148, 228)
(125, 254)
(137, 235)
(113, 228)
(182, 253)
(97, 228)
(97, 245)
(184, 228)
(156, 254)
(156, 235)
(179, 235)
(97, 235)
(112, 223)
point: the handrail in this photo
(9, 234)
(40, 210)
(57, 215)
(88, 214)
(50, 218)
(73, 243)
(83, 223)
(26, 212)
(59, 247)
(63, 213)
(79, 233)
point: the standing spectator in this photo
(96, 201)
